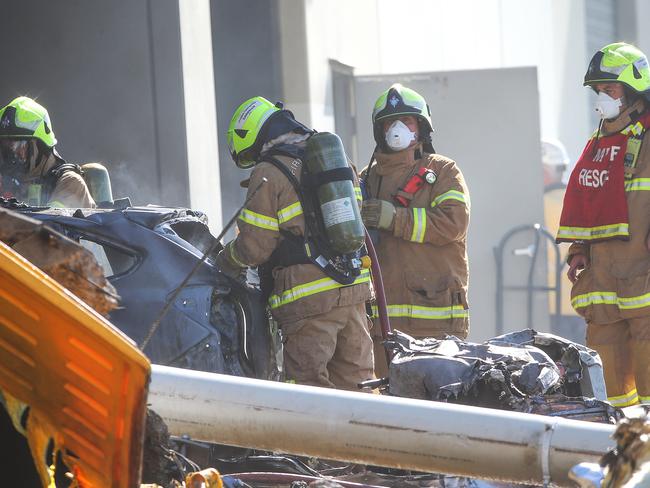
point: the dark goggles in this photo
(14, 156)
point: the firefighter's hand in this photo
(229, 266)
(578, 262)
(378, 214)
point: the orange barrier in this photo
(83, 380)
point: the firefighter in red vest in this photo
(419, 204)
(606, 217)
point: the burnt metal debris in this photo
(215, 324)
(525, 371)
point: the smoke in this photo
(143, 187)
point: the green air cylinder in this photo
(98, 181)
(337, 200)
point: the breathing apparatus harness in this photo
(313, 247)
(407, 191)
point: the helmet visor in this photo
(14, 156)
(246, 160)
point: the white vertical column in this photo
(200, 109)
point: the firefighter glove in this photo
(229, 265)
(378, 214)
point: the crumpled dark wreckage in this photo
(525, 371)
(215, 324)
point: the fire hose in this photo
(380, 295)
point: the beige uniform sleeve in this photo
(71, 192)
(577, 247)
(258, 224)
(445, 220)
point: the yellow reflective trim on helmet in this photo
(625, 400)
(312, 288)
(637, 184)
(426, 313)
(419, 225)
(259, 220)
(450, 195)
(289, 212)
(590, 233)
(610, 298)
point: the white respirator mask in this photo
(399, 136)
(606, 106)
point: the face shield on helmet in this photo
(399, 101)
(621, 63)
(26, 136)
(15, 157)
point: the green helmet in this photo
(244, 141)
(23, 118)
(620, 62)
(399, 100)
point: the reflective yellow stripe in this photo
(450, 195)
(595, 298)
(357, 192)
(637, 184)
(610, 298)
(588, 233)
(635, 129)
(419, 224)
(259, 220)
(427, 313)
(230, 250)
(625, 400)
(644, 399)
(311, 288)
(287, 213)
(627, 303)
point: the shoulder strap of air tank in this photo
(329, 176)
(286, 172)
(314, 255)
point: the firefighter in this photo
(419, 204)
(31, 168)
(605, 216)
(324, 324)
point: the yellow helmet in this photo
(255, 122)
(623, 63)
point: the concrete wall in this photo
(379, 37)
(497, 148)
(247, 63)
(110, 75)
(121, 90)
(201, 119)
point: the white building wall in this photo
(383, 37)
(200, 115)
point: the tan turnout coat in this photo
(424, 259)
(301, 290)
